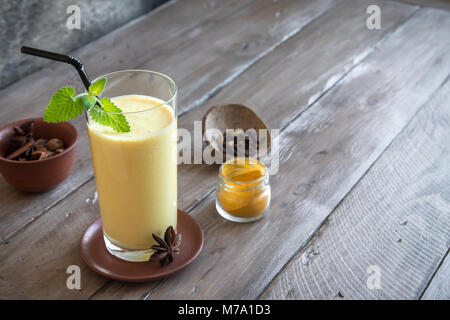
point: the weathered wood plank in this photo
(201, 44)
(277, 109)
(47, 247)
(287, 81)
(324, 153)
(439, 288)
(301, 51)
(394, 224)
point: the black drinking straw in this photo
(61, 58)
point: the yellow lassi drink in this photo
(136, 174)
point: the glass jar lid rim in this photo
(165, 102)
(243, 183)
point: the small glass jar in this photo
(243, 190)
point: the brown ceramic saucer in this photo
(96, 256)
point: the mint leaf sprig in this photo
(65, 105)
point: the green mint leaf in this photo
(62, 106)
(113, 117)
(97, 87)
(87, 101)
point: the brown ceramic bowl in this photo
(38, 175)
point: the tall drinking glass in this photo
(136, 171)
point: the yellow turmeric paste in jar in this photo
(243, 190)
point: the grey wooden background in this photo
(42, 23)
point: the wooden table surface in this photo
(364, 179)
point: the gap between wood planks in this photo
(439, 4)
(154, 288)
(419, 139)
(194, 104)
(355, 55)
(443, 260)
(10, 236)
(369, 45)
(127, 26)
(333, 212)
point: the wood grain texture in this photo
(34, 263)
(439, 288)
(201, 44)
(295, 63)
(101, 56)
(395, 221)
(302, 51)
(439, 4)
(304, 13)
(324, 153)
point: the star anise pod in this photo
(165, 249)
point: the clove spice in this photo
(25, 147)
